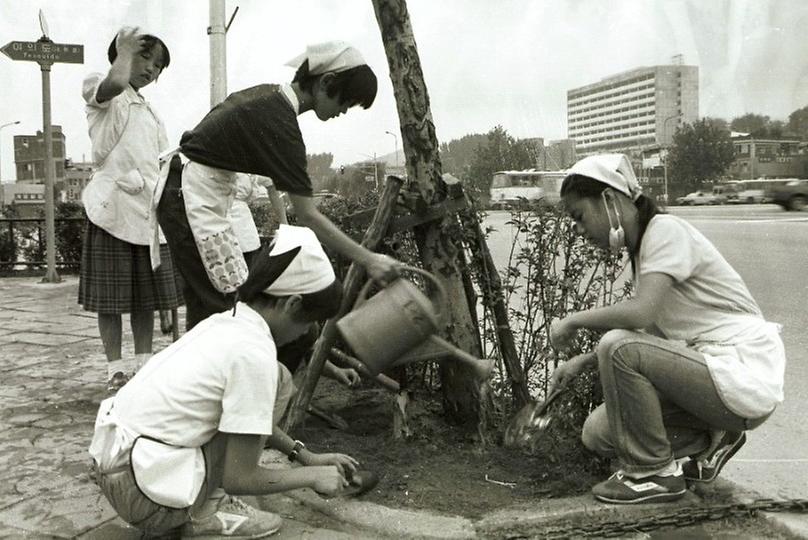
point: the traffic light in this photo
(342, 169)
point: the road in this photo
(769, 248)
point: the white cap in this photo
(613, 170)
(310, 271)
(331, 56)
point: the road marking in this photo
(797, 460)
(751, 220)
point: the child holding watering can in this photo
(256, 131)
(195, 418)
(687, 365)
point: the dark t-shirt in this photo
(253, 131)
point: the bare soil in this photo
(440, 467)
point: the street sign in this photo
(44, 52)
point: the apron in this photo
(208, 194)
(167, 475)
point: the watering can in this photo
(382, 329)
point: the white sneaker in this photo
(233, 518)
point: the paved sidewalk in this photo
(52, 378)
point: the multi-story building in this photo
(769, 158)
(630, 111)
(29, 156)
(28, 199)
(77, 176)
(554, 155)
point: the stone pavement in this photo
(52, 378)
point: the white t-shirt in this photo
(710, 308)
(220, 376)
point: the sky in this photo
(485, 62)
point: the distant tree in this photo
(319, 168)
(751, 123)
(719, 123)
(457, 155)
(700, 151)
(500, 152)
(798, 123)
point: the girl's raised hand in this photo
(561, 334)
(128, 40)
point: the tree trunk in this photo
(438, 249)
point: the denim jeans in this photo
(660, 403)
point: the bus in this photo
(758, 190)
(509, 187)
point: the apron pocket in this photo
(168, 475)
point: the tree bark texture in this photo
(438, 249)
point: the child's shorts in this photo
(135, 508)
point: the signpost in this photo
(46, 53)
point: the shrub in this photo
(69, 234)
(551, 272)
(8, 247)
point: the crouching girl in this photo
(195, 419)
(688, 363)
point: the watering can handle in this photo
(440, 304)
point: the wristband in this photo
(296, 450)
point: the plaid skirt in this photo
(116, 276)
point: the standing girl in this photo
(687, 365)
(256, 131)
(127, 138)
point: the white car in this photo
(698, 198)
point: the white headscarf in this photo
(613, 170)
(310, 271)
(331, 56)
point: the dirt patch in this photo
(440, 467)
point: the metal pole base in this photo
(51, 277)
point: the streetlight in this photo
(1, 127)
(665, 160)
(395, 144)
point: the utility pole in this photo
(218, 52)
(665, 160)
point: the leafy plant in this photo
(551, 272)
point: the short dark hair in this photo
(149, 41)
(357, 86)
(585, 187)
(317, 306)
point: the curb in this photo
(516, 520)
(793, 523)
(525, 520)
(390, 522)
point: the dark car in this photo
(791, 196)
